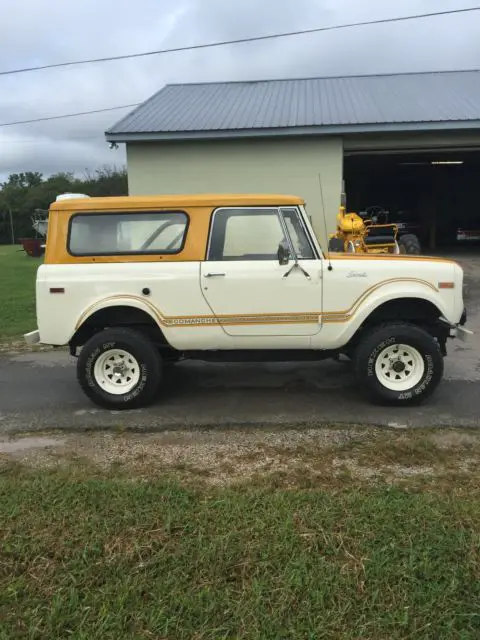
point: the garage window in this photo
(154, 232)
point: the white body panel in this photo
(263, 288)
(190, 309)
(353, 289)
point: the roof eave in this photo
(324, 130)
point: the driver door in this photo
(246, 286)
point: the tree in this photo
(24, 192)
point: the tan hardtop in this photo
(174, 201)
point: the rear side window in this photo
(99, 234)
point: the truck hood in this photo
(387, 256)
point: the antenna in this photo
(330, 268)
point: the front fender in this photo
(352, 319)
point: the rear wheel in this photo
(119, 369)
(399, 364)
(409, 243)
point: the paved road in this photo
(38, 391)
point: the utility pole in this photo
(11, 225)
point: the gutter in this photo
(283, 132)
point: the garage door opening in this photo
(434, 195)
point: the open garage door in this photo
(435, 195)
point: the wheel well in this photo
(119, 316)
(415, 311)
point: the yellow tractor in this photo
(355, 234)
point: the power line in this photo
(136, 104)
(223, 43)
(42, 140)
(69, 115)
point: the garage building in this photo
(406, 144)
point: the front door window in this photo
(246, 234)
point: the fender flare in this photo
(391, 293)
(121, 301)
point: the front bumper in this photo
(463, 334)
(32, 338)
(457, 330)
(460, 331)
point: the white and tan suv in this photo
(136, 283)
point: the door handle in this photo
(214, 275)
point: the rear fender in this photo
(120, 301)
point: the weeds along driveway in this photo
(219, 457)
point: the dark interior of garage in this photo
(434, 195)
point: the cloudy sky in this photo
(35, 32)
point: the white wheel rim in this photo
(116, 371)
(399, 367)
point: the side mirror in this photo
(283, 253)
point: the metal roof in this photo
(414, 101)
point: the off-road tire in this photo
(144, 352)
(409, 244)
(384, 336)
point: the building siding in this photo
(286, 166)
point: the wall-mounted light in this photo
(427, 163)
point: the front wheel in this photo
(119, 369)
(399, 364)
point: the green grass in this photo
(86, 555)
(17, 292)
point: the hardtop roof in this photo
(174, 201)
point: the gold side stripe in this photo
(256, 319)
(349, 313)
